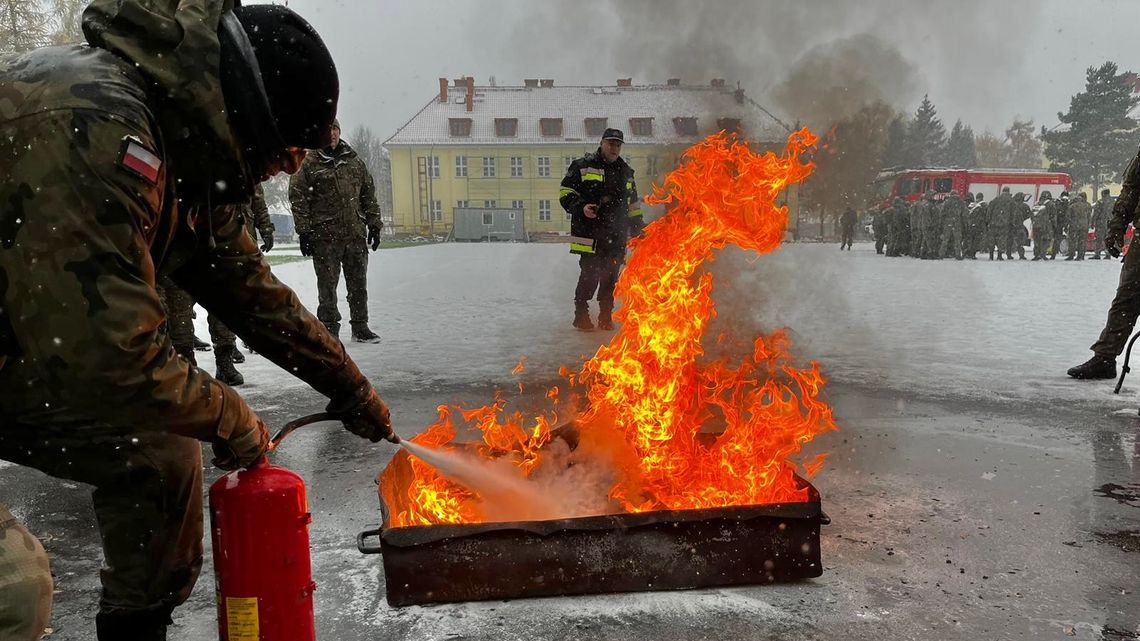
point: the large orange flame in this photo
(694, 432)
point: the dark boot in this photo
(227, 373)
(235, 355)
(147, 625)
(361, 334)
(1097, 367)
(605, 319)
(991, 254)
(582, 318)
(201, 346)
(334, 328)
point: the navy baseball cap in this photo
(613, 134)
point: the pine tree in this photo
(1024, 145)
(1100, 137)
(926, 137)
(961, 150)
(23, 26)
(895, 150)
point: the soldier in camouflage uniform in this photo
(1060, 223)
(978, 218)
(255, 214)
(915, 229)
(953, 216)
(25, 582)
(1018, 233)
(1000, 211)
(928, 210)
(1080, 215)
(1043, 226)
(1102, 211)
(899, 228)
(1126, 305)
(337, 218)
(123, 162)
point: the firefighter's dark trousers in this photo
(1125, 307)
(598, 274)
(147, 490)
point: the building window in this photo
(519, 205)
(544, 166)
(488, 218)
(568, 160)
(731, 125)
(433, 166)
(506, 127)
(488, 166)
(641, 126)
(437, 211)
(685, 126)
(462, 204)
(651, 166)
(550, 126)
(459, 127)
(595, 126)
(490, 204)
(544, 210)
(516, 166)
(461, 166)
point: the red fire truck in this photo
(911, 184)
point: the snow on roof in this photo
(662, 103)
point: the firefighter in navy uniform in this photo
(600, 195)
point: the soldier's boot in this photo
(1021, 253)
(1097, 367)
(1070, 257)
(991, 254)
(334, 328)
(605, 318)
(582, 317)
(1095, 256)
(235, 354)
(201, 345)
(361, 334)
(999, 256)
(147, 625)
(227, 373)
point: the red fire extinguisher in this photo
(259, 520)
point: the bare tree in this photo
(23, 25)
(67, 15)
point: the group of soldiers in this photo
(960, 228)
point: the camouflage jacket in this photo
(255, 214)
(610, 186)
(1124, 209)
(94, 210)
(979, 216)
(1080, 216)
(1044, 221)
(1102, 211)
(953, 212)
(1001, 212)
(333, 196)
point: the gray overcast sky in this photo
(980, 60)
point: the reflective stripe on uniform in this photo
(582, 240)
(635, 210)
(585, 249)
(566, 191)
(590, 173)
(629, 184)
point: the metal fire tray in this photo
(662, 550)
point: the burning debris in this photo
(664, 426)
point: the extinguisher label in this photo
(241, 619)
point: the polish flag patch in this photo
(140, 160)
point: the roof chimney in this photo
(470, 94)
(547, 82)
(531, 82)
(739, 93)
(673, 82)
(443, 90)
(717, 82)
(625, 82)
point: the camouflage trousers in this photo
(951, 242)
(179, 308)
(147, 489)
(1041, 243)
(597, 274)
(328, 258)
(1098, 246)
(1077, 242)
(1125, 306)
(25, 582)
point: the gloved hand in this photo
(1113, 245)
(306, 244)
(266, 243)
(365, 415)
(243, 448)
(374, 237)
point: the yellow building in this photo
(508, 147)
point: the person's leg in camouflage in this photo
(1121, 321)
(225, 353)
(326, 263)
(355, 259)
(25, 582)
(179, 308)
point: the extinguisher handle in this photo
(300, 422)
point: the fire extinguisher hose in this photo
(300, 422)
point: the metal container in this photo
(663, 550)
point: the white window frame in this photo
(544, 211)
(490, 204)
(433, 166)
(516, 166)
(462, 204)
(461, 166)
(544, 166)
(437, 211)
(488, 166)
(488, 218)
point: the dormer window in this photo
(506, 127)
(641, 126)
(595, 126)
(731, 125)
(459, 127)
(685, 126)
(550, 126)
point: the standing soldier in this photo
(913, 216)
(1018, 234)
(337, 219)
(928, 213)
(1043, 226)
(979, 219)
(953, 224)
(600, 195)
(255, 214)
(900, 228)
(1080, 213)
(1102, 211)
(1001, 211)
(1126, 305)
(847, 223)
(1060, 224)
(879, 226)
